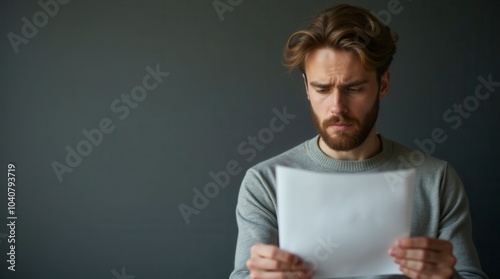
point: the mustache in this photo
(339, 119)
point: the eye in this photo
(322, 90)
(354, 89)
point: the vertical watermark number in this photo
(11, 217)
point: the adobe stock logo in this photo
(454, 117)
(123, 274)
(221, 7)
(121, 107)
(324, 249)
(247, 148)
(40, 19)
(394, 7)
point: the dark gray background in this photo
(119, 207)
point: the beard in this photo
(347, 140)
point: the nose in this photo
(338, 103)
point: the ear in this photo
(385, 80)
(305, 84)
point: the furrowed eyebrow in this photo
(354, 83)
(345, 85)
(321, 85)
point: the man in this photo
(344, 56)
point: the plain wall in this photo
(117, 212)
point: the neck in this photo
(369, 148)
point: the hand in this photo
(423, 257)
(269, 261)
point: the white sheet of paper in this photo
(343, 224)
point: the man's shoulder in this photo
(293, 157)
(413, 158)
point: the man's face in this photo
(344, 97)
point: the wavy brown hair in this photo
(344, 27)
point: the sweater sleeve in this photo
(256, 219)
(455, 225)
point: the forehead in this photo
(327, 64)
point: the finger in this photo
(425, 243)
(282, 275)
(428, 256)
(415, 254)
(273, 252)
(268, 264)
(421, 270)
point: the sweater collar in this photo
(349, 165)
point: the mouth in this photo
(340, 126)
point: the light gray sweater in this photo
(440, 206)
